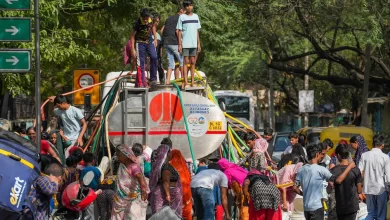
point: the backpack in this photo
(19, 168)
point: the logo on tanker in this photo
(165, 107)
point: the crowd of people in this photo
(179, 37)
(161, 178)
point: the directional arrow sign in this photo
(15, 29)
(15, 4)
(15, 61)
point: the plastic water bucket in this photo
(297, 216)
(298, 203)
(285, 216)
(362, 213)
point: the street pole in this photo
(366, 82)
(306, 114)
(271, 115)
(37, 77)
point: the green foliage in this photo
(240, 41)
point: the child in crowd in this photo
(45, 186)
(90, 177)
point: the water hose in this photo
(92, 136)
(236, 126)
(238, 138)
(239, 151)
(186, 124)
(284, 185)
(106, 132)
(81, 89)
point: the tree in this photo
(333, 34)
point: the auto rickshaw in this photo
(311, 135)
(345, 132)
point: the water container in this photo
(362, 213)
(388, 212)
(285, 215)
(297, 216)
(298, 203)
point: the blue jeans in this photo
(143, 50)
(376, 206)
(172, 53)
(204, 203)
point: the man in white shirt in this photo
(375, 168)
(202, 185)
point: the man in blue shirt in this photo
(188, 37)
(310, 177)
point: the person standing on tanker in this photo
(160, 68)
(188, 27)
(73, 121)
(171, 44)
(140, 36)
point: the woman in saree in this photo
(165, 182)
(236, 176)
(179, 163)
(287, 175)
(131, 189)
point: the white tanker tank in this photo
(147, 116)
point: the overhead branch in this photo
(330, 51)
(291, 101)
(333, 79)
(79, 9)
(382, 65)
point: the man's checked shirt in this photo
(40, 196)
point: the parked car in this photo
(280, 142)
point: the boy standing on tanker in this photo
(141, 37)
(189, 41)
(171, 44)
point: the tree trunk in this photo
(365, 86)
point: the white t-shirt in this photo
(208, 179)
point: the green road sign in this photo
(15, 60)
(15, 4)
(15, 29)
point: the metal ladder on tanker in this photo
(139, 105)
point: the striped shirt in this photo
(189, 26)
